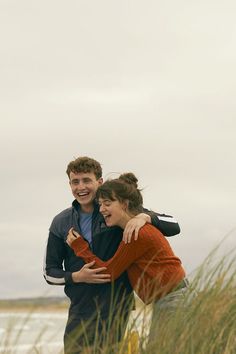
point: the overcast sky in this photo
(142, 86)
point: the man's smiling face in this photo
(84, 186)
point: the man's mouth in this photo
(82, 194)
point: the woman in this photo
(153, 269)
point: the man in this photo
(94, 299)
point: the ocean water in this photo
(28, 333)
(42, 333)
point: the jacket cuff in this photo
(68, 278)
(154, 219)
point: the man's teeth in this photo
(82, 194)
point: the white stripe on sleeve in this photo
(167, 219)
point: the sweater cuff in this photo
(79, 244)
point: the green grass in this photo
(205, 325)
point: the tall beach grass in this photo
(204, 324)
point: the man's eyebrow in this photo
(81, 179)
(86, 179)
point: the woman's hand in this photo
(72, 236)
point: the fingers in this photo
(94, 275)
(72, 235)
(71, 232)
(70, 239)
(136, 233)
(99, 270)
(88, 265)
(127, 235)
(101, 281)
(96, 270)
(102, 276)
(75, 233)
(132, 228)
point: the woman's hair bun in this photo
(129, 178)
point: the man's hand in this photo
(134, 225)
(72, 236)
(88, 275)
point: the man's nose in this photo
(80, 185)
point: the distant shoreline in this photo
(42, 304)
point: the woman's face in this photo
(114, 212)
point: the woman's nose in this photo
(101, 209)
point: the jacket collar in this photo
(77, 207)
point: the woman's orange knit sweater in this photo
(152, 267)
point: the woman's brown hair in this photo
(124, 188)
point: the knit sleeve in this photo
(125, 255)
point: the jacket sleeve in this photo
(164, 223)
(53, 270)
